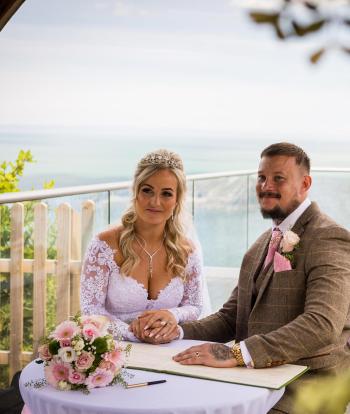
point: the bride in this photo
(146, 270)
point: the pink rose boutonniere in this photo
(289, 243)
(285, 260)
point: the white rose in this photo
(67, 354)
(79, 345)
(289, 241)
(63, 385)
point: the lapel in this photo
(298, 228)
(259, 257)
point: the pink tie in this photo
(273, 246)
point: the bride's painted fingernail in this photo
(145, 328)
(151, 334)
(157, 336)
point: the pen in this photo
(143, 384)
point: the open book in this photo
(157, 358)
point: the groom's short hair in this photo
(290, 150)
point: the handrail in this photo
(98, 188)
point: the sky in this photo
(164, 67)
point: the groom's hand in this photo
(211, 355)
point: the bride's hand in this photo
(160, 325)
(156, 324)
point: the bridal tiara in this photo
(162, 159)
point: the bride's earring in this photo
(172, 215)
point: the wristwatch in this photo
(236, 351)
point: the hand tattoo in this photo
(220, 352)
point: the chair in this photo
(11, 401)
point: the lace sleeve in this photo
(191, 305)
(98, 267)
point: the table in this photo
(179, 395)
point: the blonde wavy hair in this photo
(176, 245)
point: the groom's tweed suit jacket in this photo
(299, 316)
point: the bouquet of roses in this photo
(80, 354)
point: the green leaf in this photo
(310, 6)
(315, 57)
(304, 30)
(278, 31)
(101, 345)
(259, 17)
(49, 184)
(54, 346)
(11, 171)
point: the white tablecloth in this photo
(179, 395)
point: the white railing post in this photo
(16, 287)
(39, 273)
(87, 224)
(63, 261)
(75, 255)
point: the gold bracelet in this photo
(236, 350)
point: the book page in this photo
(158, 358)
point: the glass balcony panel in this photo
(120, 200)
(331, 192)
(220, 217)
(256, 223)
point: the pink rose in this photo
(90, 332)
(84, 361)
(99, 378)
(101, 322)
(76, 377)
(109, 366)
(289, 241)
(44, 352)
(65, 342)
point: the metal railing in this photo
(7, 198)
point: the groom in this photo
(291, 304)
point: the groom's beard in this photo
(277, 213)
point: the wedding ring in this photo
(197, 354)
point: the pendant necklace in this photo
(150, 255)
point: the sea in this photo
(78, 157)
(225, 228)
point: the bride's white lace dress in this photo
(121, 298)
